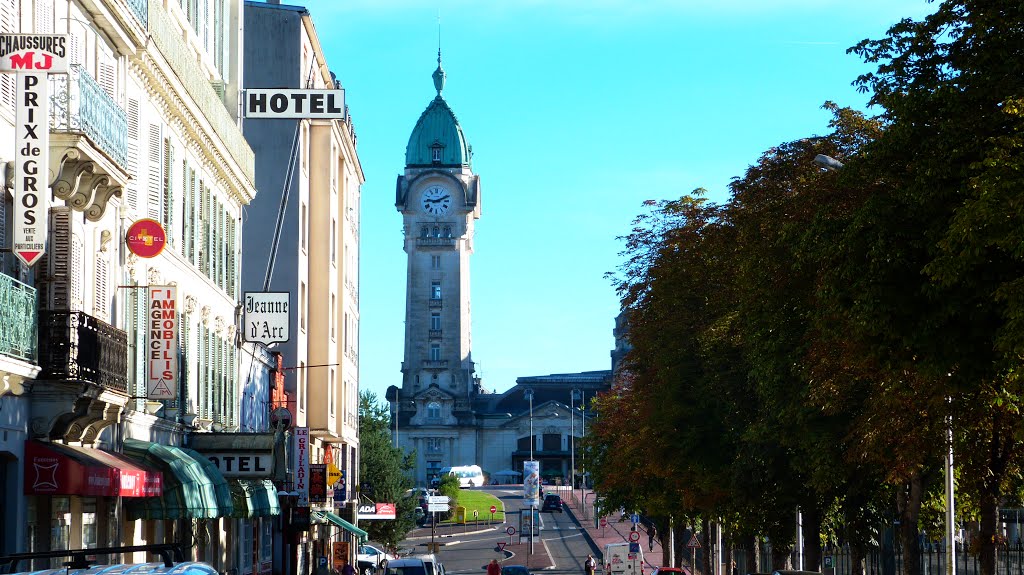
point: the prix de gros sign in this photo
(31, 57)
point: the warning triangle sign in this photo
(160, 390)
(29, 257)
(693, 544)
(501, 545)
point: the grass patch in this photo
(481, 502)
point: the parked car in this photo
(552, 502)
(374, 556)
(433, 565)
(515, 570)
(670, 571)
(406, 566)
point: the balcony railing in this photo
(435, 363)
(434, 303)
(434, 333)
(18, 318)
(431, 241)
(182, 60)
(76, 346)
(79, 104)
(141, 10)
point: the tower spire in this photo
(439, 75)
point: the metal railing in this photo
(79, 104)
(18, 318)
(76, 346)
(435, 363)
(141, 10)
(431, 241)
(182, 60)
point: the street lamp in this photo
(533, 499)
(572, 439)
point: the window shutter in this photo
(192, 216)
(232, 270)
(54, 265)
(108, 78)
(204, 380)
(133, 153)
(167, 199)
(219, 397)
(155, 177)
(184, 208)
(76, 302)
(141, 329)
(76, 50)
(5, 208)
(8, 24)
(44, 16)
(101, 289)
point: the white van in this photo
(623, 559)
(469, 475)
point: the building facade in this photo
(302, 237)
(441, 409)
(143, 126)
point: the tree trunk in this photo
(908, 503)
(750, 554)
(812, 537)
(1001, 448)
(705, 541)
(857, 562)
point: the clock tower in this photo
(438, 196)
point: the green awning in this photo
(254, 498)
(193, 486)
(328, 517)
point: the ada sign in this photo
(33, 53)
(276, 103)
(267, 317)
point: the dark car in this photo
(552, 502)
(514, 570)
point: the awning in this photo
(193, 487)
(328, 517)
(254, 498)
(58, 469)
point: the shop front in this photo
(74, 495)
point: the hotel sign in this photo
(290, 104)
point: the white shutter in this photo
(76, 47)
(5, 259)
(108, 77)
(133, 153)
(155, 177)
(167, 185)
(44, 16)
(101, 288)
(232, 264)
(76, 302)
(8, 24)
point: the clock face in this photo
(436, 200)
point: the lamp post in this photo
(572, 440)
(533, 500)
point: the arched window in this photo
(424, 232)
(437, 232)
(433, 410)
(447, 231)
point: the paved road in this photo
(561, 548)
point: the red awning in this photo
(58, 469)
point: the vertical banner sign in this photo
(318, 483)
(302, 465)
(31, 167)
(531, 482)
(30, 57)
(162, 344)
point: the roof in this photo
(438, 128)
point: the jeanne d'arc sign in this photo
(31, 57)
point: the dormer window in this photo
(435, 153)
(434, 411)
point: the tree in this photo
(384, 472)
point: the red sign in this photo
(604, 522)
(317, 483)
(634, 536)
(146, 238)
(493, 510)
(64, 470)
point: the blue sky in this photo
(577, 111)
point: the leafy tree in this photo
(384, 472)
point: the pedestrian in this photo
(735, 571)
(590, 565)
(652, 534)
(346, 569)
(493, 568)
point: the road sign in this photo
(635, 518)
(494, 509)
(510, 530)
(438, 508)
(604, 522)
(438, 499)
(501, 545)
(693, 544)
(476, 514)
(634, 535)
(828, 562)
(333, 474)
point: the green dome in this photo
(438, 129)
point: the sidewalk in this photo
(613, 532)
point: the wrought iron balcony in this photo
(79, 104)
(141, 10)
(434, 334)
(77, 346)
(434, 303)
(18, 318)
(435, 363)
